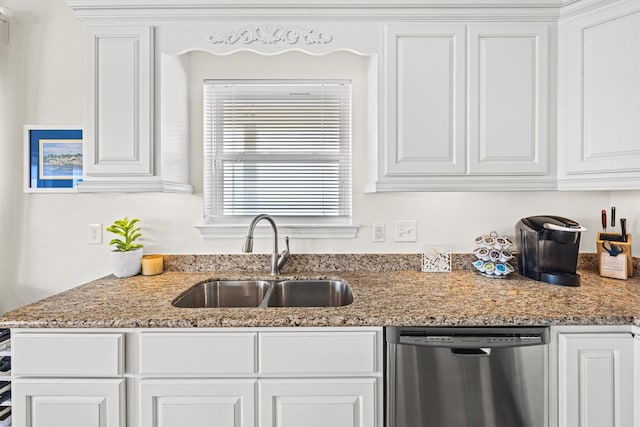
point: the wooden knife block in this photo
(618, 267)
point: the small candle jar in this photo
(152, 265)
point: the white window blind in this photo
(277, 147)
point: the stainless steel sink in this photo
(266, 293)
(310, 293)
(224, 293)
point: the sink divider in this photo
(265, 300)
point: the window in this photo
(277, 147)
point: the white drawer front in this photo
(318, 353)
(197, 353)
(67, 354)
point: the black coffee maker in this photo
(548, 249)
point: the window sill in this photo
(298, 231)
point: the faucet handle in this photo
(284, 255)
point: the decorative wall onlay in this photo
(271, 34)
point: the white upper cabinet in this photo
(600, 98)
(425, 76)
(478, 96)
(509, 99)
(464, 115)
(123, 151)
(120, 101)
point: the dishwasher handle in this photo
(471, 352)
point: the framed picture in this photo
(52, 158)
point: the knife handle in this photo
(623, 228)
(604, 220)
(613, 216)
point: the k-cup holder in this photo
(493, 253)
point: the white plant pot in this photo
(126, 264)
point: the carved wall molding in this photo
(271, 34)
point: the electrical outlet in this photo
(377, 234)
(406, 231)
(94, 234)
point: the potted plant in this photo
(126, 258)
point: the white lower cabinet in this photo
(197, 403)
(67, 378)
(267, 377)
(68, 402)
(595, 378)
(277, 377)
(318, 403)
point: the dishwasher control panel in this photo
(469, 337)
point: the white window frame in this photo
(217, 226)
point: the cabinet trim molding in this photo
(271, 34)
(466, 183)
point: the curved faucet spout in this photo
(277, 260)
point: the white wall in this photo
(45, 249)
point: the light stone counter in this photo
(381, 298)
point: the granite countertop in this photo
(381, 298)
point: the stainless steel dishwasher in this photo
(467, 377)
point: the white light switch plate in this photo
(406, 231)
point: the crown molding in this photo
(309, 4)
(329, 10)
(317, 10)
(332, 10)
(577, 7)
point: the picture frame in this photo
(53, 158)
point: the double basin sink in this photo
(266, 293)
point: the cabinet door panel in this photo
(335, 403)
(198, 403)
(602, 90)
(596, 380)
(426, 99)
(118, 130)
(509, 100)
(68, 403)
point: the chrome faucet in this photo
(277, 260)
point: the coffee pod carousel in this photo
(493, 253)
